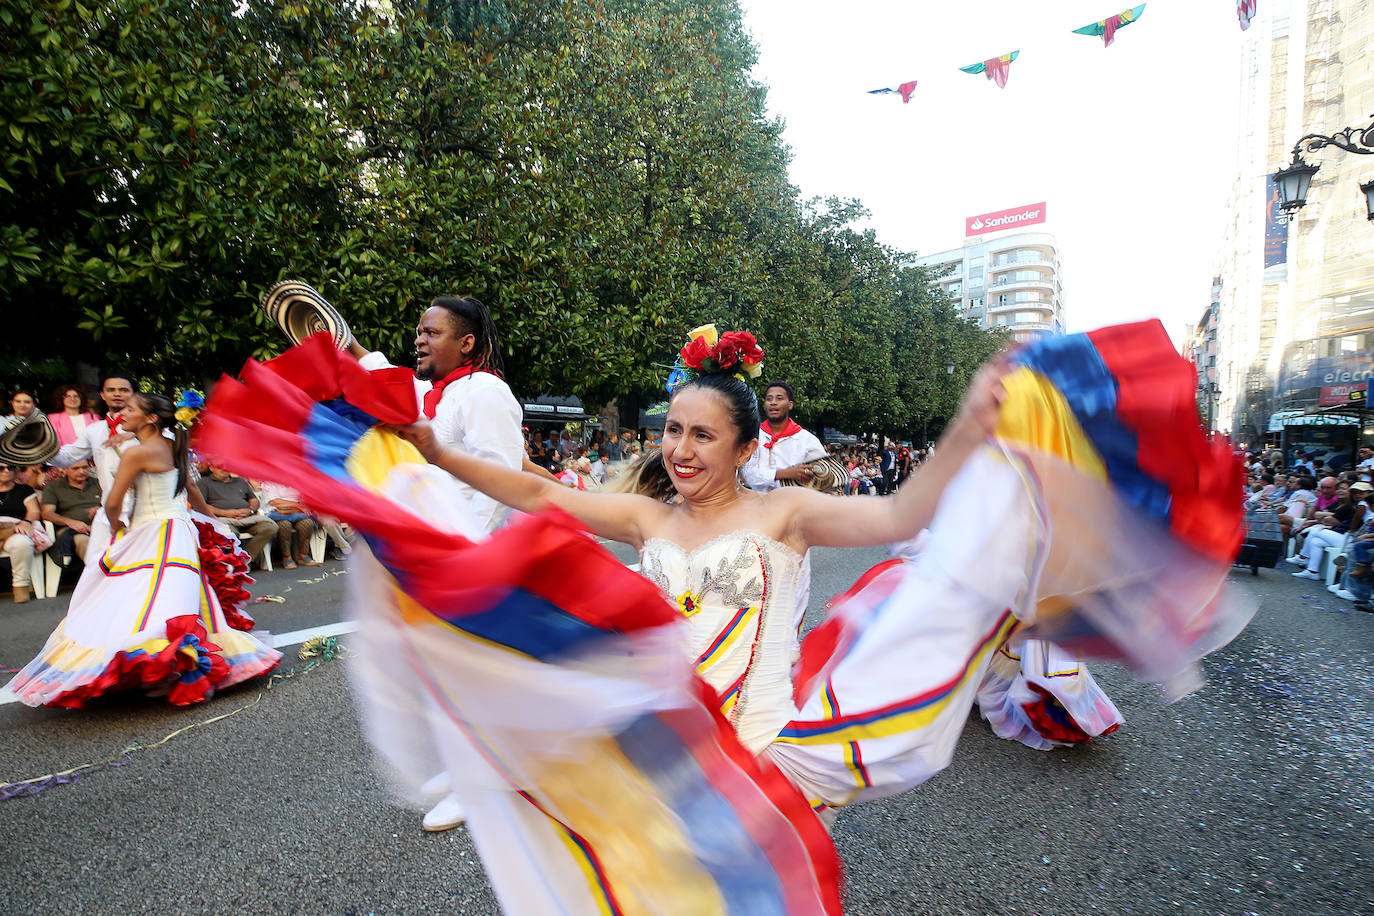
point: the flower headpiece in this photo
(708, 353)
(189, 403)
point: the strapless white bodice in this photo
(155, 499)
(738, 594)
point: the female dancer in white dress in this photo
(144, 615)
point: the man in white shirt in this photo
(102, 441)
(458, 381)
(469, 407)
(784, 447)
(1366, 465)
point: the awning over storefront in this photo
(554, 410)
(1282, 418)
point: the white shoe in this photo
(1296, 559)
(1305, 574)
(437, 786)
(444, 816)
(1335, 588)
(1345, 594)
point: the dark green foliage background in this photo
(603, 174)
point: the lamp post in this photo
(1294, 181)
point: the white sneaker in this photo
(437, 786)
(444, 816)
(1296, 559)
(1345, 594)
(1305, 574)
(1335, 588)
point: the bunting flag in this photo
(996, 68)
(1107, 27)
(904, 90)
(1245, 10)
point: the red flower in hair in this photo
(699, 355)
(736, 347)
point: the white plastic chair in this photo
(52, 567)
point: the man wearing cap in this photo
(784, 446)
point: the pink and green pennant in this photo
(996, 68)
(1107, 27)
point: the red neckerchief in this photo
(435, 393)
(112, 421)
(791, 429)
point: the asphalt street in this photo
(1254, 795)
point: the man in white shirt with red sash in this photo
(100, 441)
(784, 447)
(470, 407)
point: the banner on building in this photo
(983, 223)
(1341, 394)
(1275, 227)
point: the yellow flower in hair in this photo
(706, 330)
(186, 414)
(754, 370)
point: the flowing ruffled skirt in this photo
(556, 688)
(147, 615)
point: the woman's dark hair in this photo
(486, 353)
(784, 386)
(19, 391)
(161, 406)
(1307, 483)
(60, 392)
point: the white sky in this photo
(1132, 146)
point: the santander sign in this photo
(983, 223)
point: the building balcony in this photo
(1042, 283)
(1045, 305)
(1026, 260)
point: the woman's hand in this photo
(982, 404)
(421, 435)
(24, 528)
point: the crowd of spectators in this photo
(1318, 508)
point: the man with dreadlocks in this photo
(458, 380)
(470, 408)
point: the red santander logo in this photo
(1029, 215)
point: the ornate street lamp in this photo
(1294, 181)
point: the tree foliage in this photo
(602, 172)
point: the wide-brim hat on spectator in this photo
(32, 440)
(299, 310)
(1361, 486)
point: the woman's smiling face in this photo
(701, 447)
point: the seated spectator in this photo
(1277, 496)
(22, 403)
(33, 475)
(597, 467)
(569, 477)
(232, 501)
(1331, 528)
(70, 502)
(1356, 580)
(19, 514)
(293, 523)
(68, 416)
(1299, 506)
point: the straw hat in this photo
(31, 440)
(300, 311)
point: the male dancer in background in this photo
(784, 447)
(101, 441)
(470, 407)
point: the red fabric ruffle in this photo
(189, 657)
(225, 566)
(1052, 720)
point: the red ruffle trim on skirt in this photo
(1052, 720)
(189, 658)
(225, 566)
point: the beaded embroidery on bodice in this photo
(155, 498)
(737, 593)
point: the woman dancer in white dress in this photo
(145, 615)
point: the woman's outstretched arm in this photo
(617, 516)
(835, 521)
